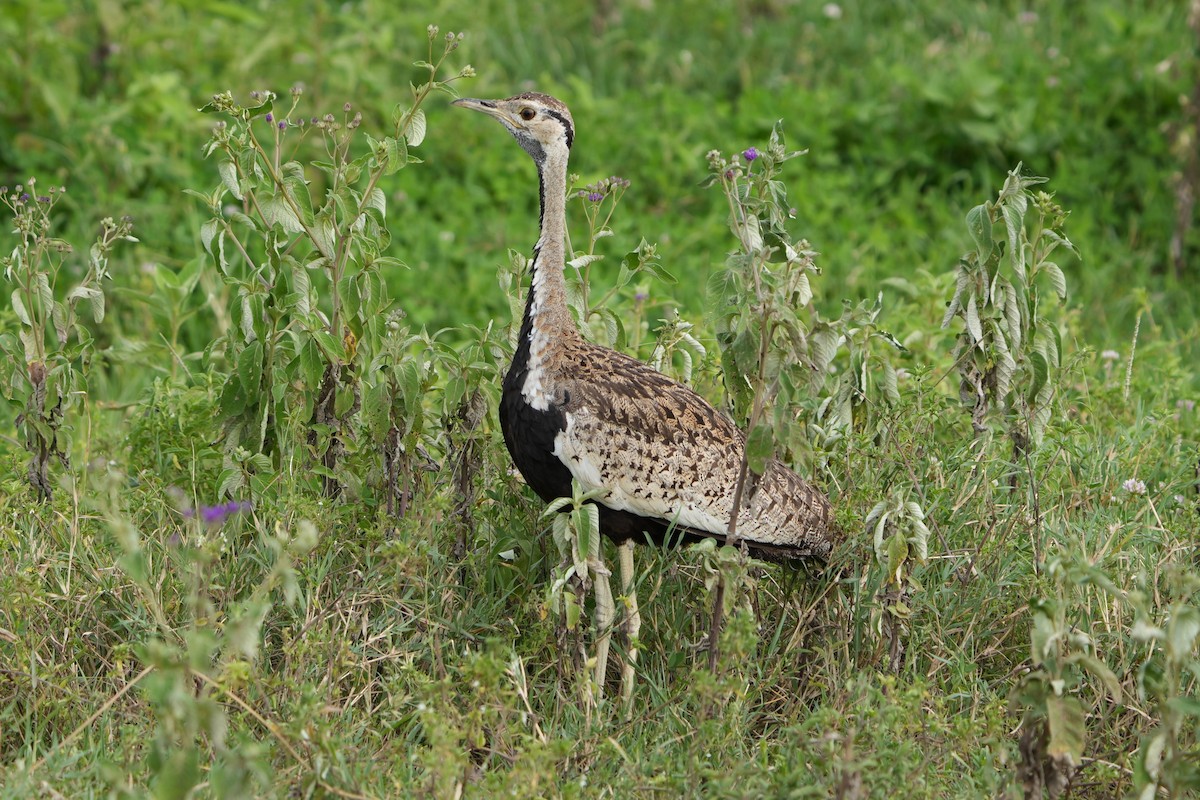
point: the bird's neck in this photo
(546, 310)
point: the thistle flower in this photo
(750, 154)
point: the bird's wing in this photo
(660, 450)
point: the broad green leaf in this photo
(1065, 718)
(375, 406)
(1057, 279)
(296, 187)
(229, 176)
(760, 447)
(207, 231)
(249, 367)
(396, 155)
(1014, 221)
(1182, 630)
(276, 210)
(312, 366)
(891, 389)
(1188, 706)
(19, 308)
(979, 224)
(1100, 670)
(416, 128)
(233, 399)
(1041, 374)
(1043, 634)
(343, 400)
(824, 343)
(972, 319)
(897, 554)
(377, 200)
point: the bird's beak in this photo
(490, 108)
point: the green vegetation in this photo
(259, 535)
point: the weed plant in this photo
(284, 553)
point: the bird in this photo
(660, 461)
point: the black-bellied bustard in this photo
(657, 455)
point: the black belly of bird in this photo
(529, 434)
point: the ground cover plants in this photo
(259, 535)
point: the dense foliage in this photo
(259, 535)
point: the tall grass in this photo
(166, 631)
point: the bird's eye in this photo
(528, 113)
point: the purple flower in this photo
(270, 118)
(640, 297)
(24, 196)
(750, 154)
(215, 515)
(282, 125)
(595, 197)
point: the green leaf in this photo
(1014, 221)
(19, 308)
(1041, 374)
(972, 319)
(277, 211)
(377, 200)
(979, 223)
(416, 128)
(396, 155)
(296, 187)
(343, 401)
(1100, 670)
(229, 176)
(889, 382)
(1057, 279)
(233, 399)
(1187, 706)
(312, 366)
(249, 367)
(760, 447)
(897, 554)
(375, 406)
(824, 343)
(207, 232)
(1182, 630)
(1065, 718)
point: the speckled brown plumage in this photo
(667, 460)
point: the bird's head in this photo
(541, 124)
